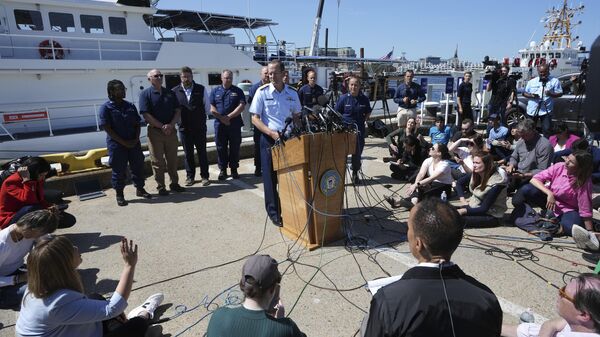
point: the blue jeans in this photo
(11, 296)
(531, 195)
(546, 121)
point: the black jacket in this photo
(193, 116)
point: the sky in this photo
(419, 28)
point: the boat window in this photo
(214, 79)
(557, 55)
(62, 22)
(92, 24)
(551, 55)
(523, 56)
(537, 55)
(117, 25)
(28, 20)
(544, 55)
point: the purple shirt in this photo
(567, 198)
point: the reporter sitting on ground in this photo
(578, 306)
(54, 304)
(568, 195)
(407, 167)
(395, 139)
(532, 154)
(23, 192)
(434, 178)
(434, 298)
(256, 316)
(487, 203)
(16, 241)
(561, 141)
(463, 149)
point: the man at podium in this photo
(271, 107)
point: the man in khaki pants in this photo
(408, 95)
(160, 109)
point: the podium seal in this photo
(330, 181)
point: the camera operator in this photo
(541, 91)
(504, 89)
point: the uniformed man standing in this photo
(121, 121)
(161, 110)
(355, 109)
(309, 93)
(226, 104)
(271, 106)
(264, 79)
(194, 104)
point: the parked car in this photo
(567, 108)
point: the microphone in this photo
(288, 121)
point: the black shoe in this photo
(223, 175)
(141, 192)
(121, 200)
(397, 202)
(258, 172)
(388, 159)
(176, 188)
(235, 174)
(163, 192)
(189, 182)
(592, 258)
(277, 222)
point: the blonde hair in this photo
(51, 266)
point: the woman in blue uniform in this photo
(355, 109)
(121, 121)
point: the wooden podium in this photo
(311, 173)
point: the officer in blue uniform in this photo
(271, 106)
(226, 104)
(264, 79)
(309, 93)
(355, 109)
(121, 121)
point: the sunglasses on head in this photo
(562, 293)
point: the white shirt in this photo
(442, 166)
(11, 254)
(275, 107)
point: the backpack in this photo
(544, 226)
(7, 169)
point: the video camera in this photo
(493, 71)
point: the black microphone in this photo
(288, 121)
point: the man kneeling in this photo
(435, 298)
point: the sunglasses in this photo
(157, 76)
(562, 293)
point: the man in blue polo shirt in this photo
(408, 95)
(121, 121)
(160, 109)
(227, 103)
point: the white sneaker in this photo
(149, 305)
(584, 239)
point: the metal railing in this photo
(19, 46)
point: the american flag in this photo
(388, 56)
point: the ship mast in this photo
(559, 26)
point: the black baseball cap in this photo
(263, 269)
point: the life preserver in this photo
(537, 62)
(46, 50)
(517, 62)
(553, 64)
(542, 61)
(530, 62)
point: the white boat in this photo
(56, 57)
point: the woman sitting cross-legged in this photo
(568, 195)
(487, 204)
(434, 178)
(54, 303)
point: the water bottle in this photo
(527, 316)
(444, 196)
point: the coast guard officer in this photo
(309, 93)
(264, 79)
(121, 121)
(226, 104)
(355, 109)
(271, 106)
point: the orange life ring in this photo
(553, 63)
(517, 62)
(46, 48)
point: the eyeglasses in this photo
(158, 76)
(562, 293)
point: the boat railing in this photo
(263, 53)
(20, 46)
(46, 115)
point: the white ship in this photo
(56, 57)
